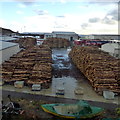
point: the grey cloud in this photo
(102, 1)
(94, 20)
(114, 14)
(27, 2)
(111, 17)
(63, 1)
(84, 25)
(61, 16)
(41, 12)
(59, 25)
(85, 5)
(107, 20)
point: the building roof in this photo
(34, 33)
(62, 32)
(7, 38)
(46, 33)
(4, 45)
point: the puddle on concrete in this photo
(69, 84)
(60, 59)
(64, 74)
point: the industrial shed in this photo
(67, 35)
(112, 48)
(7, 49)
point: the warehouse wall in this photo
(106, 37)
(68, 36)
(6, 53)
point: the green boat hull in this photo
(80, 110)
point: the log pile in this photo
(33, 66)
(26, 42)
(57, 42)
(99, 67)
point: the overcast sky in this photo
(80, 16)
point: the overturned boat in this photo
(80, 110)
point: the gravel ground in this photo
(31, 105)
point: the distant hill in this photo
(4, 31)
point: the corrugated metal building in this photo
(7, 49)
(67, 35)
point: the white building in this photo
(103, 36)
(67, 35)
(48, 35)
(7, 49)
(112, 48)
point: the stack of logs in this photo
(57, 42)
(99, 67)
(33, 66)
(26, 42)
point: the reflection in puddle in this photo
(60, 59)
(62, 69)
